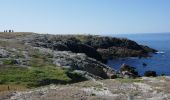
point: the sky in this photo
(85, 16)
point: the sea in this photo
(159, 62)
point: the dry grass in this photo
(120, 90)
(11, 35)
(87, 84)
(12, 87)
(6, 91)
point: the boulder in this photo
(128, 71)
(150, 74)
(144, 64)
(4, 53)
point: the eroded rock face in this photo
(80, 62)
(109, 47)
(86, 52)
(120, 52)
(64, 43)
(97, 47)
(106, 42)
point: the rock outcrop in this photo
(128, 71)
(150, 74)
(83, 54)
(64, 43)
(97, 47)
(80, 63)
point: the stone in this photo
(128, 71)
(150, 74)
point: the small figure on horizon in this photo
(10, 31)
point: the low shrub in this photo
(9, 62)
(76, 77)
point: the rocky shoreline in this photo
(78, 63)
(83, 54)
(97, 48)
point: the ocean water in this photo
(158, 62)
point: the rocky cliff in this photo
(98, 47)
(82, 54)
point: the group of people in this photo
(8, 30)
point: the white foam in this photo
(160, 52)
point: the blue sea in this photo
(158, 62)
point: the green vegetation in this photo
(40, 71)
(38, 62)
(8, 61)
(33, 76)
(38, 59)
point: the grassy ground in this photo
(32, 77)
(40, 71)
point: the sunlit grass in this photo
(33, 76)
(12, 87)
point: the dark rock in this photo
(128, 71)
(88, 50)
(110, 47)
(120, 52)
(144, 64)
(150, 73)
(148, 49)
(106, 42)
(97, 47)
(64, 43)
(162, 74)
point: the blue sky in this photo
(86, 16)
